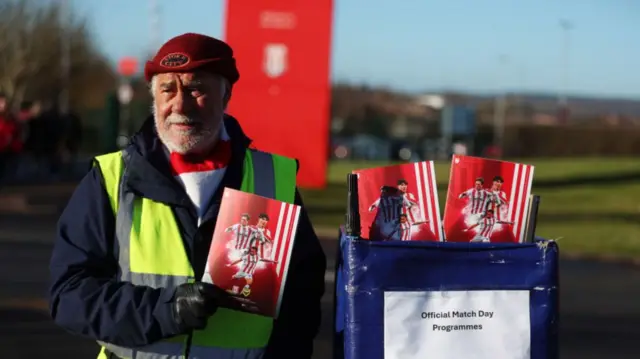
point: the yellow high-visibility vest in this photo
(152, 253)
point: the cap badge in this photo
(175, 59)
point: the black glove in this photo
(194, 303)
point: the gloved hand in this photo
(194, 303)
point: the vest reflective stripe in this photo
(259, 175)
(145, 261)
(263, 165)
(160, 350)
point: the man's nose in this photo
(182, 103)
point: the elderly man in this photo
(132, 243)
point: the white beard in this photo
(192, 140)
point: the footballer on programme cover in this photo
(251, 248)
(487, 200)
(399, 203)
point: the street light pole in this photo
(499, 107)
(563, 95)
(154, 10)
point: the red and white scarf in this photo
(201, 177)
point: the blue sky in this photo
(417, 45)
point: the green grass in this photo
(600, 218)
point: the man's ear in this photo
(225, 101)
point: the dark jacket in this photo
(85, 297)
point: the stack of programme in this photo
(488, 201)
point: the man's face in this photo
(3, 104)
(402, 187)
(188, 110)
(478, 185)
(244, 221)
(497, 185)
(262, 222)
(403, 219)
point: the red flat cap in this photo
(194, 52)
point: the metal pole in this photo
(65, 60)
(154, 31)
(448, 138)
(522, 72)
(563, 96)
(499, 108)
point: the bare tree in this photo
(31, 58)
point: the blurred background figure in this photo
(32, 135)
(10, 139)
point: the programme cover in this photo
(251, 248)
(399, 203)
(487, 200)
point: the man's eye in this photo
(196, 92)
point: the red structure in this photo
(128, 66)
(283, 97)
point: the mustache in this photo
(182, 120)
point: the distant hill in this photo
(580, 105)
(352, 101)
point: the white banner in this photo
(457, 324)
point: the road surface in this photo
(600, 303)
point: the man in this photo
(477, 197)
(391, 200)
(10, 139)
(499, 198)
(410, 207)
(133, 241)
(261, 235)
(242, 232)
(389, 205)
(249, 261)
(486, 226)
(403, 232)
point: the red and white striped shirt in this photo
(249, 262)
(477, 199)
(499, 198)
(242, 235)
(259, 238)
(410, 208)
(485, 226)
(405, 231)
